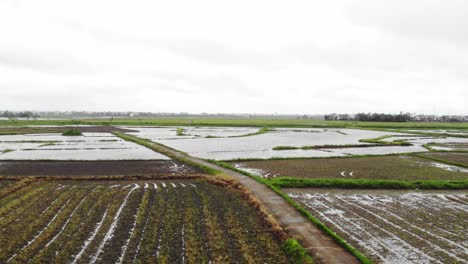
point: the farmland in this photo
(139, 194)
(154, 168)
(263, 145)
(378, 168)
(89, 146)
(394, 226)
(169, 221)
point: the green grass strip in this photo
(163, 150)
(262, 130)
(361, 257)
(290, 182)
(296, 252)
(379, 140)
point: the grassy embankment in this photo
(375, 142)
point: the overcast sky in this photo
(235, 56)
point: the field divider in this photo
(356, 253)
(291, 182)
(172, 153)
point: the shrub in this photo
(72, 132)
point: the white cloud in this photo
(238, 56)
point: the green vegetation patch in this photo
(380, 141)
(287, 182)
(72, 132)
(180, 131)
(6, 151)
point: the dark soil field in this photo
(40, 130)
(170, 221)
(394, 226)
(386, 167)
(461, 158)
(94, 168)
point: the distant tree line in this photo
(401, 117)
(25, 114)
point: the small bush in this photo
(72, 132)
(180, 131)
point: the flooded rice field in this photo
(169, 133)
(261, 145)
(90, 146)
(395, 226)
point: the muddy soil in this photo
(94, 168)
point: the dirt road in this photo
(322, 247)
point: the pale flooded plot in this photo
(90, 146)
(261, 146)
(395, 226)
(169, 133)
(443, 131)
(436, 143)
(426, 140)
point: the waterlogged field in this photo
(395, 226)
(437, 143)
(459, 158)
(451, 146)
(169, 221)
(262, 145)
(168, 133)
(90, 146)
(461, 132)
(379, 168)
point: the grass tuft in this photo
(296, 252)
(180, 131)
(72, 132)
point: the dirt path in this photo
(323, 248)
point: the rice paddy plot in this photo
(168, 133)
(394, 226)
(170, 221)
(262, 145)
(451, 157)
(89, 146)
(378, 168)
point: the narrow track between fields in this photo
(322, 247)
